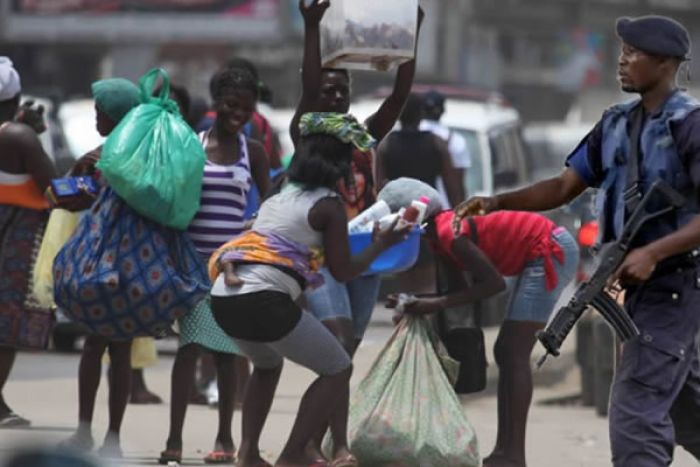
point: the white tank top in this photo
(287, 214)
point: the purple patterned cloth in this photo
(263, 247)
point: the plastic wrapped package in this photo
(154, 160)
(369, 34)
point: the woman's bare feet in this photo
(314, 451)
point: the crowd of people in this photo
(284, 284)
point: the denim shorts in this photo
(353, 300)
(530, 300)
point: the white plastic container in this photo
(422, 205)
(369, 34)
(387, 220)
(365, 220)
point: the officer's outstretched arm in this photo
(542, 196)
(545, 195)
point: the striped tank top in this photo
(224, 192)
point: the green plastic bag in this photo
(153, 160)
(405, 412)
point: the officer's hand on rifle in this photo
(476, 206)
(637, 267)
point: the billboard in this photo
(245, 8)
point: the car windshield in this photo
(473, 180)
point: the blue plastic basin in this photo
(399, 257)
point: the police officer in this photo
(655, 400)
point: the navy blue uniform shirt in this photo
(586, 159)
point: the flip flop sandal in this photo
(170, 455)
(347, 461)
(12, 420)
(220, 457)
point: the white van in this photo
(492, 130)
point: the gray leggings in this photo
(309, 344)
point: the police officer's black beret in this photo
(657, 35)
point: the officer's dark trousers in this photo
(655, 401)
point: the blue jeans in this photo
(352, 300)
(530, 300)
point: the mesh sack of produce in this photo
(405, 411)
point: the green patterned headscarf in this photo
(345, 127)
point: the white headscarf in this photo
(10, 84)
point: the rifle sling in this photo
(632, 194)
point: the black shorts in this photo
(265, 316)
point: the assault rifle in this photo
(592, 292)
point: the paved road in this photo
(44, 388)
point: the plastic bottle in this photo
(411, 214)
(386, 221)
(408, 216)
(363, 222)
(421, 204)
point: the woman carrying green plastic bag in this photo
(405, 411)
(153, 160)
